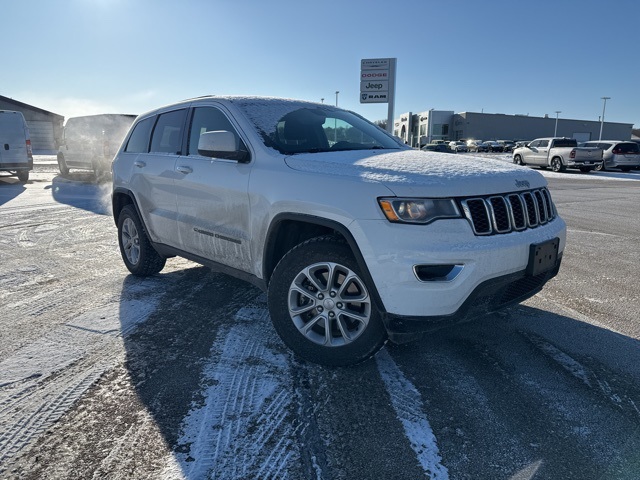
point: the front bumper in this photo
(489, 265)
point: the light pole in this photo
(604, 105)
(322, 100)
(335, 122)
(555, 132)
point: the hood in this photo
(418, 173)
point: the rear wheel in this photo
(23, 175)
(556, 165)
(321, 306)
(599, 167)
(139, 256)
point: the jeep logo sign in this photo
(374, 86)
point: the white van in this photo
(90, 142)
(15, 145)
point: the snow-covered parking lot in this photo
(103, 375)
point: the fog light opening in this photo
(437, 273)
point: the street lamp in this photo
(337, 92)
(604, 105)
(322, 100)
(555, 132)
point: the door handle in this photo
(140, 164)
(184, 169)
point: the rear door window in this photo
(167, 134)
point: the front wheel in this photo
(518, 160)
(321, 305)
(139, 256)
(600, 167)
(556, 165)
(62, 165)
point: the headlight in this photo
(418, 210)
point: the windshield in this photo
(298, 127)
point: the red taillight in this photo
(573, 153)
(616, 151)
(29, 151)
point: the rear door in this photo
(153, 171)
(212, 196)
(13, 140)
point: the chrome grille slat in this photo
(512, 212)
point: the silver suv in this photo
(355, 237)
(617, 154)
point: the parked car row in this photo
(490, 145)
(562, 153)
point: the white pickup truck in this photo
(559, 154)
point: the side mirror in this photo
(221, 144)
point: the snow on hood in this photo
(408, 172)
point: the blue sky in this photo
(77, 57)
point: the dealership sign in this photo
(376, 77)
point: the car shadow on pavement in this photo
(166, 354)
(82, 192)
(529, 387)
(10, 188)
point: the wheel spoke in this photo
(352, 279)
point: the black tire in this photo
(600, 167)
(556, 165)
(23, 175)
(345, 304)
(137, 253)
(62, 165)
(518, 160)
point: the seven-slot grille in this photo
(510, 212)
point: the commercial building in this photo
(422, 128)
(45, 128)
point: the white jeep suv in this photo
(355, 237)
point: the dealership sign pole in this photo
(378, 84)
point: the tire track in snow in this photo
(40, 382)
(408, 405)
(246, 427)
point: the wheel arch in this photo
(289, 229)
(119, 199)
